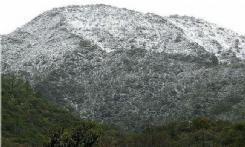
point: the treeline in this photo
(200, 132)
(28, 120)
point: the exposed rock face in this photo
(129, 68)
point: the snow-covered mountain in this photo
(50, 35)
(96, 58)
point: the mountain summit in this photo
(130, 68)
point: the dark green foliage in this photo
(200, 132)
(85, 133)
(26, 118)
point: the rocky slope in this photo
(129, 68)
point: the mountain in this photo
(128, 68)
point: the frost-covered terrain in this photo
(214, 39)
(126, 67)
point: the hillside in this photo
(128, 68)
(27, 118)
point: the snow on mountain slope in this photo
(215, 39)
(123, 28)
(115, 28)
(54, 33)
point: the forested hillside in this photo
(28, 120)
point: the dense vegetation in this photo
(200, 132)
(28, 120)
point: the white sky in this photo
(226, 13)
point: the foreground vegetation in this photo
(28, 120)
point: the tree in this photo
(85, 134)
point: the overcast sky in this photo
(226, 13)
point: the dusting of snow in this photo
(215, 39)
(39, 46)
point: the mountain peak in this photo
(110, 63)
(59, 31)
(150, 31)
